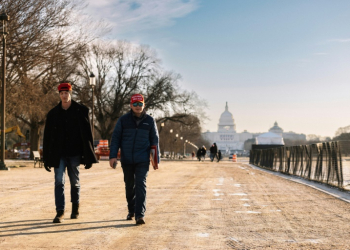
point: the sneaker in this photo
(59, 217)
(140, 221)
(130, 216)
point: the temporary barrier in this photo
(234, 158)
(102, 151)
(321, 162)
(103, 143)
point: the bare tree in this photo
(186, 126)
(123, 69)
(44, 47)
(342, 130)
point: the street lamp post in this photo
(171, 147)
(177, 135)
(92, 84)
(4, 18)
(185, 147)
(160, 139)
(181, 138)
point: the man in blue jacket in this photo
(134, 134)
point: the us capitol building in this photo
(228, 140)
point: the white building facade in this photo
(228, 140)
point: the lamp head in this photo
(4, 17)
(92, 79)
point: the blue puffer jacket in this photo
(134, 141)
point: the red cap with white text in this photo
(64, 87)
(137, 98)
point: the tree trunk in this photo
(35, 130)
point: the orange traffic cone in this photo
(234, 158)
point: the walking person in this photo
(199, 154)
(203, 152)
(67, 144)
(193, 154)
(219, 155)
(213, 151)
(134, 134)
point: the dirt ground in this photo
(190, 205)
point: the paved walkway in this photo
(190, 205)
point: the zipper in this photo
(133, 146)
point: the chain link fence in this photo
(327, 162)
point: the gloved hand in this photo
(48, 169)
(88, 166)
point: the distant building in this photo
(287, 135)
(228, 140)
(276, 129)
(269, 138)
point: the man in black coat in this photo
(67, 144)
(213, 151)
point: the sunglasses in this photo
(135, 104)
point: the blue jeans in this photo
(213, 156)
(135, 187)
(72, 164)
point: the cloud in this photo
(320, 54)
(138, 15)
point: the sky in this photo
(271, 60)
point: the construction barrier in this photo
(234, 158)
(103, 144)
(102, 151)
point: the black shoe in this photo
(130, 216)
(140, 221)
(75, 211)
(59, 217)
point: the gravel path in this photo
(190, 205)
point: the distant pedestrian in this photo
(199, 154)
(213, 152)
(203, 152)
(193, 154)
(134, 134)
(219, 155)
(67, 144)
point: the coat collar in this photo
(74, 106)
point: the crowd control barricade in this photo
(321, 162)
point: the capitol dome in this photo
(226, 121)
(276, 129)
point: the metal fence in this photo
(321, 162)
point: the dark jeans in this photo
(135, 187)
(213, 156)
(72, 164)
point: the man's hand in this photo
(48, 169)
(88, 165)
(113, 163)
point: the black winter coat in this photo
(213, 149)
(52, 145)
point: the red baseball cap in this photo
(64, 87)
(137, 98)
